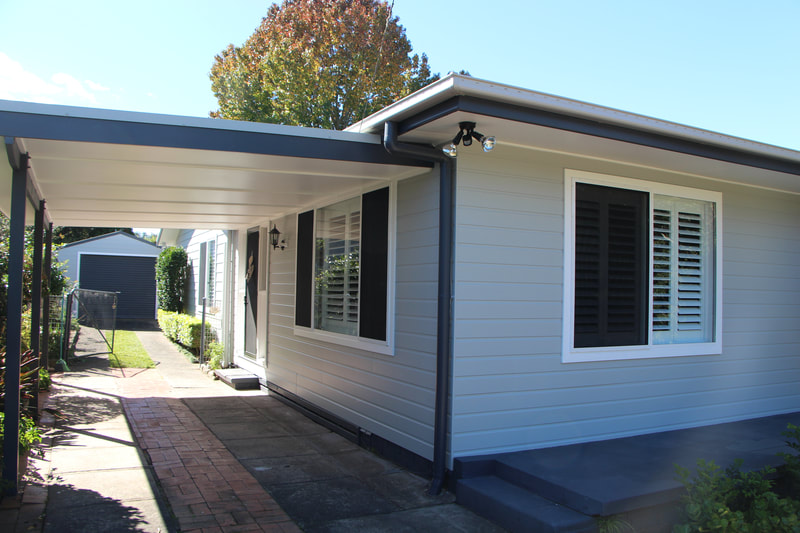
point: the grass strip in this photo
(128, 351)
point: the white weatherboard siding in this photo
(511, 390)
(191, 241)
(391, 396)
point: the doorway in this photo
(251, 294)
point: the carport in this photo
(85, 167)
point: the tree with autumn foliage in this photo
(319, 63)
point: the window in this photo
(206, 284)
(211, 271)
(342, 271)
(642, 269)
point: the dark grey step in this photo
(238, 378)
(518, 509)
(592, 489)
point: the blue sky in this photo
(727, 66)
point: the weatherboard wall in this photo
(193, 241)
(511, 390)
(391, 396)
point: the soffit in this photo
(512, 133)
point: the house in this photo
(597, 274)
(116, 262)
(207, 251)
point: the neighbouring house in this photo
(116, 262)
(597, 274)
(207, 252)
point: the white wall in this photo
(511, 390)
(389, 395)
(191, 241)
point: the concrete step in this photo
(518, 509)
(238, 378)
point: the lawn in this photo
(128, 351)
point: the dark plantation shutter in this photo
(304, 268)
(374, 250)
(610, 266)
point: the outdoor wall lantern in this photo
(275, 238)
(466, 132)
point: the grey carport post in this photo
(21, 191)
(16, 249)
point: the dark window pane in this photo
(305, 268)
(610, 266)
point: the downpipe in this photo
(444, 292)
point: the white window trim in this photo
(570, 354)
(362, 343)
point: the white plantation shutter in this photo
(683, 270)
(337, 267)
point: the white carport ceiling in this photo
(178, 172)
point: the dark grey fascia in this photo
(22, 124)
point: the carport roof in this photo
(123, 169)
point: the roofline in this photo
(66, 123)
(455, 85)
(106, 235)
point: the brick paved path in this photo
(208, 489)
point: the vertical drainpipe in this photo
(444, 293)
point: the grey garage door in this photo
(133, 277)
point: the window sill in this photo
(624, 353)
(360, 343)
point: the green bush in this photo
(792, 466)
(213, 354)
(44, 380)
(172, 269)
(739, 502)
(29, 434)
(181, 328)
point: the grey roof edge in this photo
(459, 85)
(106, 235)
(15, 106)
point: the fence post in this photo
(203, 333)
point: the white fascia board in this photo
(458, 85)
(178, 120)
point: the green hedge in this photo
(172, 274)
(183, 329)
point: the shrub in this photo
(741, 502)
(172, 269)
(181, 328)
(214, 353)
(44, 379)
(29, 434)
(29, 367)
(792, 467)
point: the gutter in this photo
(444, 293)
(455, 85)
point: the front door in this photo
(251, 294)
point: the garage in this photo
(132, 277)
(116, 262)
